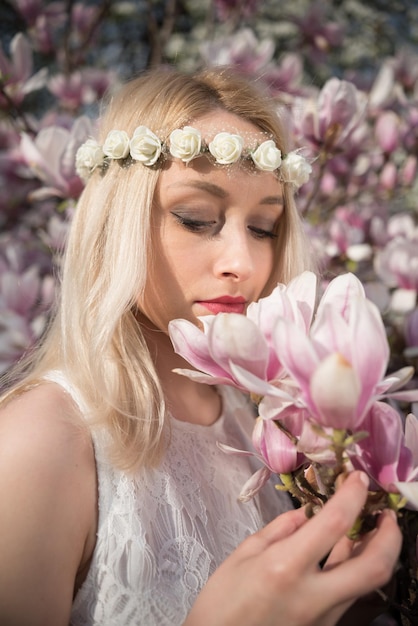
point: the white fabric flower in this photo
(185, 143)
(295, 169)
(267, 156)
(226, 148)
(116, 145)
(89, 156)
(145, 146)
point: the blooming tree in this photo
(345, 78)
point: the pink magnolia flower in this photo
(51, 158)
(81, 88)
(387, 131)
(241, 49)
(409, 487)
(275, 449)
(16, 73)
(383, 454)
(334, 117)
(340, 366)
(236, 349)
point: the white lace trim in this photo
(163, 532)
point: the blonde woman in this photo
(118, 508)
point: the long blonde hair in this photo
(94, 337)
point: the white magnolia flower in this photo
(116, 145)
(295, 169)
(226, 148)
(267, 156)
(185, 143)
(89, 156)
(145, 146)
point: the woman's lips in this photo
(224, 305)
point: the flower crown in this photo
(186, 144)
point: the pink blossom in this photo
(51, 158)
(80, 88)
(389, 176)
(387, 131)
(16, 73)
(331, 120)
(228, 8)
(397, 263)
(276, 448)
(240, 49)
(321, 35)
(236, 349)
(338, 375)
(384, 453)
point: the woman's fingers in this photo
(336, 518)
(371, 563)
(283, 526)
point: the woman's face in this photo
(213, 233)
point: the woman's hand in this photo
(273, 577)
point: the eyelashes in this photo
(208, 226)
(193, 225)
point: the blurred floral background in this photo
(343, 72)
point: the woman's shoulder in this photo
(45, 417)
(48, 479)
(44, 438)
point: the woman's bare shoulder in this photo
(48, 479)
(44, 438)
(46, 413)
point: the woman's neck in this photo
(186, 399)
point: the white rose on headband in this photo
(295, 169)
(185, 143)
(145, 146)
(226, 148)
(116, 145)
(267, 156)
(89, 156)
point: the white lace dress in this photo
(162, 532)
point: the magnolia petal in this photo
(253, 384)
(395, 380)
(341, 292)
(192, 344)
(411, 436)
(381, 454)
(370, 349)
(302, 289)
(254, 484)
(200, 377)
(409, 491)
(330, 333)
(335, 390)
(296, 352)
(276, 447)
(230, 450)
(233, 338)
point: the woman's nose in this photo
(234, 259)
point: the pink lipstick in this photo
(224, 304)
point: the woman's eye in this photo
(260, 233)
(193, 225)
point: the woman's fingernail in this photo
(364, 479)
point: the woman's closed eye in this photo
(202, 226)
(192, 224)
(261, 233)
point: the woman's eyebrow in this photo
(272, 200)
(215, 190)
(219, 192)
